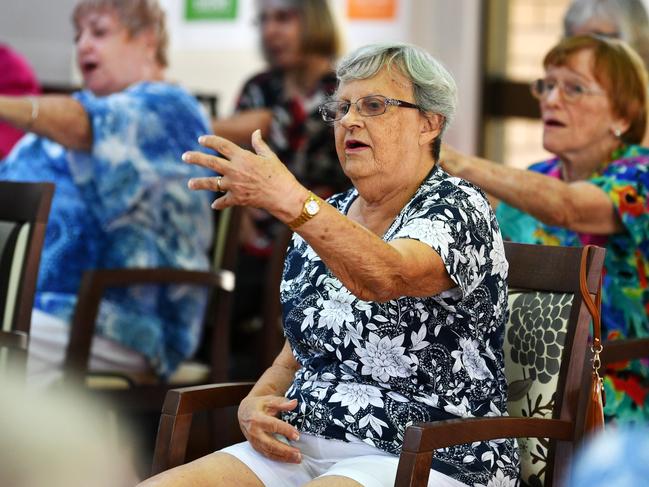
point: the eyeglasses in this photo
(368, 106)
(571, 91)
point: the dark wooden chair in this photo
(616, 351)
(548, 396)
(132, 393)
(24, 211)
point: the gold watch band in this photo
(310, 208)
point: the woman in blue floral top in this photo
(593, 103)
(113, 151)
(394, 295)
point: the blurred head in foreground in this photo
(57, 439)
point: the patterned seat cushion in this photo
(534, 343)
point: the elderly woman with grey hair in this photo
(394, 294)
(621, 19)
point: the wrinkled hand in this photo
(258, 420)
(258, 179)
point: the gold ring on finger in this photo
(218, 183)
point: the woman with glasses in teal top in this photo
(593, 102)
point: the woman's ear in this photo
(431, 127)
(149, 40)
(620, 126)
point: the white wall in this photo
(216, 57)
(42, 31)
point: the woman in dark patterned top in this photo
(394, 295)
(300, 42)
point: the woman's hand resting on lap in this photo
(259, 423)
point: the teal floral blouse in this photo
(625, 298)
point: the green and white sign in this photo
(210, 9)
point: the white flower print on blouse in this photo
(500, 480)
(383, 358)
(370, 369)
(356, 396)
(435, 231)
(336, 311)
(469, 358)
(499, 263)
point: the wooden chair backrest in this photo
(545, 346)
(24, 211)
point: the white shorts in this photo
(48, 340)
(356, 460)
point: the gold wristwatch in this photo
(309, 210)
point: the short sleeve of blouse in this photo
(139, 136)
(455, 219)
(627, 185)
(260, 91)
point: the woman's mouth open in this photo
(354, 145)
(88, 67)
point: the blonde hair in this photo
(136, 15)
(320, 35)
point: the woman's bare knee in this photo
(333, 481)
(214, 470)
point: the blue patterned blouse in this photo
(369, 369)
(126, 204)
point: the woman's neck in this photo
(304, 77)
(378, 205)
(581, 166)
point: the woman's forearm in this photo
(578, 206)
(276, 380)
(370, 268)
(536, 194)
(57, 117)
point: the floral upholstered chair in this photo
(534, 342)
(547, 365)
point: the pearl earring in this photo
(617, 132)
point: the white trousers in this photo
(48, 340)
(321, 457)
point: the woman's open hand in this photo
(256, 179)
(259, 423)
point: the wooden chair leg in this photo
(414, 469)
(172, 445)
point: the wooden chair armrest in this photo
(176, 418)
(194, 399)
(624, 350)
(421, 440)
(13, 339)
(91, 290)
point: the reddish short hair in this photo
(619, 70)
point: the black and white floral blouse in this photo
(369, 369)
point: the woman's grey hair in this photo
(136, 15)
(628, 16)
(433, 86)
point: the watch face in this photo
(312, 207)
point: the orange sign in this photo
(371, 9)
